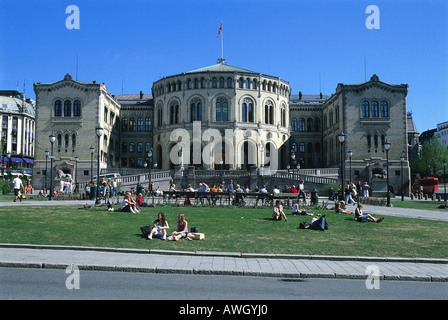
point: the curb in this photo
(226, 254)
(192, 271)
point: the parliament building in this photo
(222, 117)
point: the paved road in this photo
(50, 284)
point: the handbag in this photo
(194, 230)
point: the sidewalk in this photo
(215, 263)
(379, 210)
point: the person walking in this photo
(18, 187)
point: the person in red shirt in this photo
(294, 190)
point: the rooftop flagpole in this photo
(222, 42)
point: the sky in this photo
(312, 44)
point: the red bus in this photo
(429, 185)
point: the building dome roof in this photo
(221, 66)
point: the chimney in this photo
(300, 95)
(141, 95)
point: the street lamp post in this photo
(444, 180)
(46, 168)
(99, 133)
(76, 173)
(387, 148)
(402, 178)
(293, 157)
(8, 155)
(92, 150)
(52, 138)
(150, 191)
(341, 138)
(350, 154)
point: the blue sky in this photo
(313, 44)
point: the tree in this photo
(430, 158)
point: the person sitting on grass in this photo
(159, 227)
(341, 208)
(361, 217)
(296, 210)
(139, 201)
(182, 228)
(278, 212)
(128, 204)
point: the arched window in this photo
(384, 109)
(67, 108)
(254, 84)
(365, 109)
(189, 84)
(302, 124)
(73, 141)
(375, 109)
(309, 124)
(196, 110)
(269, 112)
(132, 147)
(67, 139)
(240, 83)
(132, 124)
(124, 124)
(294, 147)
(59, 141)
(174, 112)
(317, 124)
(294, 124)
(148, 124)
(229, 83)
(147, 147)
(221, 82)
(247, 111)
(302, 147)
(77, 108)
(283, 116)
(140, 147)
(203, 83)
(214, 82)
(309, 147)
(221, 109)
(58, 108)
(140, 124)
(196, 83)
(247, 84)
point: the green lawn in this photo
(226, 230)
(424, 205)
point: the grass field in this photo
(226, 230)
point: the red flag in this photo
(219, 31)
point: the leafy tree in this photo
(430, 158)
